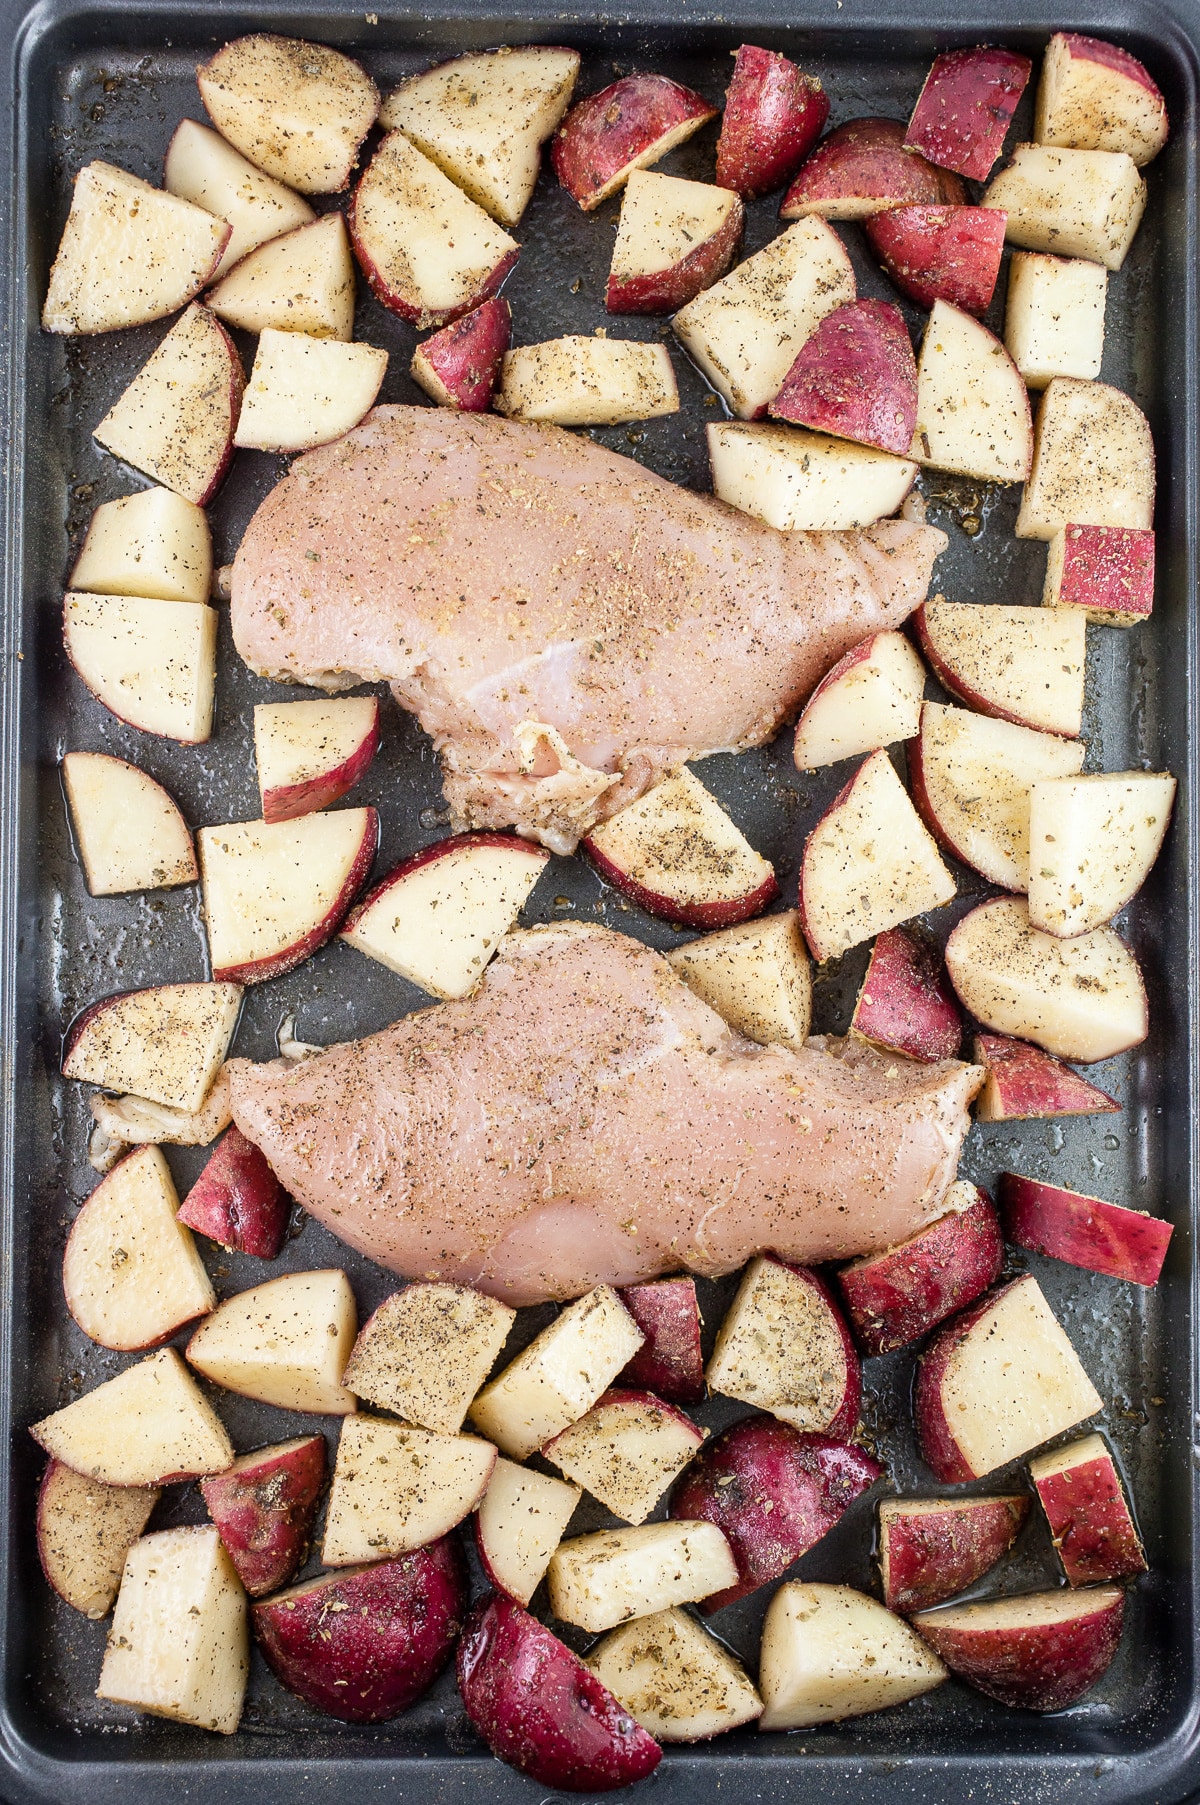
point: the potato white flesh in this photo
(829, 1652)
(149, 1425)
(175, 421)
(301, 282)
(1054, 318)
(675, 1679)
(559, 1375)
(285, 1342)
(203, 168)
(665, 220)
(130, 834)
(519, 1524)
(1092, 102)
(1094, 462)
(1093, 841)
(804, 481)
(598, 1581)
(165, 1043)
(179, 1646)
(297, 110)
(131, 1272)
(483, 119)
(1021, 664)
(869, 863)
(745, 331)
(756, 975)
(301, 743)
(781, 1348)
(135, 1121)
(154, 544)
(396, 1488)
(84, 1532)
(152, 663)
(128, 254)
(870, 699)
(1074, 203)
(678, 852)
(975, 779)
(426, 1351)
(306, 391)
(626, 1451)
(579, 381)
(973, 414)
(1081, 999)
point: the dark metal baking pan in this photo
(82, 82)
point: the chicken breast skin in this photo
(565, 624)
(584, 1118)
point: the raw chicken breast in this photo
(565, 624)
(585, 1118)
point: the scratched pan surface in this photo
(113, 84)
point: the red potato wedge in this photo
(862, 168)
(518, 1525)
(1039, 1652)
(152, 544)
(773, 1492)
(1094, 1534)
(906, 1004)
(997, 1381)
(203, 168)
(1082, 999)
(285, 1342)
(460, 365)
(893, 1298)
(669, 1361)
(301, 282)
(675, 238)
(237, 1201)
(540, 1709)
(1025, 665)
(1076, 203)
(973, 415)
(297, 110)
(153, 664)
(1093, 464)
(129, 832)
(1108, 571)
(309, 754)
(626, 1451)
(1093, 842)
(1095, 96)
(930, 1549)
(855, 377)
(870, 699)
(629, 125)
(306, 391)
(1085, 1231)
(581, 381)
(784, 1347)
(829, 1652)
(151, 1425)
(805, 481)
(425, 1352)
(774, 114)
(276, 891)
(129, 254)
(364, 1644)
(965, 107)
(396, 1488)
(1023, 1084)
(756, 975)
(598, 1581)
(84, 1531)
(940, 253)
(675, 1678)
(1054, 315)
(165, 1043)
(264, 1506)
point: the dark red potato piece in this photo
(932, 1548)
(906, 1003)
(941, 253)
(263, 1507)
(855, 377)
(1084, 1231)
(774, 114)
(459, 366)
(539, 1708)
(1093, 1531)
(669, 1361)
(628, 125)
(1038, 1652)
(1108, 570)
(895, 1297)
(861, 168)
(237, 1200)
(965, 107)
(1024, 1084)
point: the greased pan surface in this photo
(113, 83)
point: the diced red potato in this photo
(1093, 464)
(893, 1298)
(296, 109)
(930, 1549)
(1092, 843)
(1038, 1652)
(784, 1347)
(829, 1652)
(855, 377)
(756, 975)
(129, 831)
(870, 699)
(306, 391)
(1054, 314)
(1106, 570)
(1026, 665)
(1023, 1083)
(84, 1531)
(675, 238)
(1085, 1231)
(773, 1493)
(869, 864)
(365, 1643)
(940, 253)
(1093, 1532)
(965, 106)
(997, 1381)
(263, 1507)
(237, 1200)
(1075, 203)
(540, 1709)
(285, 1342)
(425, 1352)
(669, 1361)
(862, 168)
(805, 481)
(1094, 95)
(396, 1488)
(134, 1122)
(151, 663)
(302, 282)
(973, 415)
(582, 381)
(518, 1525)
(202, 167)
(165, 1043)
(629, 125)
(1082, 999)
(460, 365)
(774, 114)
(675, 1678)
(598, 1581)
(309, 754)
(906, 1004)
(149, 1426)
(626, 1450)
(153, 543)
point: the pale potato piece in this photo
(148, 1426)
(679, 1682)
(805, 481)
(296, 109)
(1093, 465)
(152, 663)
(84, 1531)
(626, 1451)
(870, 699)
(1091, 99)
(598, 1581)
(519, 1524)
(664, 221)
(1054, 319)
(130, 833)
(782, 1347)
(165, 1043)
(306, 391)
(285, 1342)
(396, 1488)
(1075, 203)
(302, 282)
(972, 409)
(756, 975)
(154, 543)
(1093, 841)
(829, 1652)
(579, 381)
(426, 1351)
(203, 168)
(1026, 665)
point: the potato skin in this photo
(906, 1004)
(459, 365)
(861, 168)
(941, 253)
(264, 1510)
(965, 107)
(903, 1293)
(939, 1449)
(604, 135)
(774, 114)
(855, 377)
(669, 1361)
(237, 1200)
(1042, 1667)
(930, 1555)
